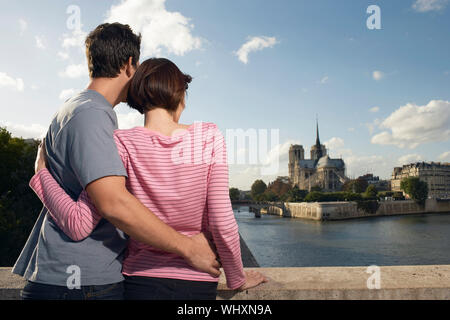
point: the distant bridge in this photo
(256, 206)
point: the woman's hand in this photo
(253, 279)
(41, 158)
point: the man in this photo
(81, 155)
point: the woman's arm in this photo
(77, 219)
(222, 223)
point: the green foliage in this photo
(371, 192)
(398, 195)
(368, 206)
(234, 194)
(356, 185)
(19, 207)
(384, 194)
(296, 195)
(270, 196)
(415, 188)
(258, 188)
(316, 196)
(316, 189)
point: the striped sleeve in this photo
(77, 219)
(222, 223)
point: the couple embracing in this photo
(133, 213)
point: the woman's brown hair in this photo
(157, 83)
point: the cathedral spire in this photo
(317, 134)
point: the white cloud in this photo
(75, 71)
(67, 93)
(40, 42)
(377, 75)
(161, 30)
(374, 109)
(334, 143)
(429, 5)
(63, 55)
(357, 164)
(9, 82)
(412, 125)
(73, 44)
(242, 176)
(23, 26)
(279, 153)
(409, 158)
(254, 44)
(35, 131)
(130, 120)
(74, 40)
(324, 80)
(351, 129)
(372, 125)
(445, 156)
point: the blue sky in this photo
(381, 95)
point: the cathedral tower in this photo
(296, 153)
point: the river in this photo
(396, 240)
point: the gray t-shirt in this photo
(81, 149)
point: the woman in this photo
(180, 173)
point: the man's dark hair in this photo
(157, 83)
(109, 47)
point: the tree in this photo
(19, 206)
(356, 185)
(415, 188)
(314, 196)
(279, 188)
(234, 194)
(296, 195)
(258, 188)
(316, 189)
(268, 195)
(371, 192)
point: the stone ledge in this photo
(324, 283)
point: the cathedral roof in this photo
(327, 162)
(307, 163)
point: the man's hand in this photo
(41, 158)
(253, 279)
(201, 256)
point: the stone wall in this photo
(318, 283)
(321, 211)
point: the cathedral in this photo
(319, 171)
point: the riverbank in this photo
(323, 211)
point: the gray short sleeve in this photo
(93, 152)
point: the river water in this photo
(398, 240)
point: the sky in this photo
(381, 95)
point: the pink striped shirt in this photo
(183, 180)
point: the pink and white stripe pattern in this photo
(183, 179)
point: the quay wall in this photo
(322, 211)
